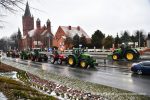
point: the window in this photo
(146, 64)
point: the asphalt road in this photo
(114, 74)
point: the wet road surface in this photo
(114, 74)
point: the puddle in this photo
(12, 75)
(2, 96)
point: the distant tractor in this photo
(12, 53)
(57, 56)
(9, 53)
(79, 58)
(125, 53)
(25, 55)
(38, 56)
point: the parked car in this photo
(141, 67)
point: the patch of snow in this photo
(2, 96)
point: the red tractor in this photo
(56, 56)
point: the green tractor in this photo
(25, 55)
(79, 58)
(127, 53)
(36, 55)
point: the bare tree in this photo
(10, 4)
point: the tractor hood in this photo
(84, 54)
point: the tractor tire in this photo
(39, 59)
(59, 61)
(32, 58)
(52, 59)
(139, 72)
(83, 64)
(129, 55)
(36, 59)
(115, 57)
(71, 61)
(45, 59)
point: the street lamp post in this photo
(139, 39)
(49, 37)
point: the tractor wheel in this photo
(83, 64)
(71, 61)
(32, 58)
(139, 72)
(129, 55)
(59, 61)
(36, 59)
(115, 57)
(52, 59)
(45, 59)
(39, 59)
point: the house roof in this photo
(73, 31)
(44, 32)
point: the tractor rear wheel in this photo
(52, 59)
(71, 60)
(115, 57)
(59, 61)
(83, 64)
(32, 58)
(129, 55)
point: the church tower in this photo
(27, 20)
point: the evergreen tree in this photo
(108, 42)
(139, 37)
(97, 39)
(19, 39)
(125, 38)
(68, 42)
(83, 41)
(76, 41)
(19, 34)
(117, 41)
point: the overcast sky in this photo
(109, 16)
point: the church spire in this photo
(27, 10)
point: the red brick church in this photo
(41, 36)
(38, 37)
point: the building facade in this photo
(68, 31)
(38, 37)
(42, 37)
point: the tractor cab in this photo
(78, 51)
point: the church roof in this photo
(27, 10)
(31, 32)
